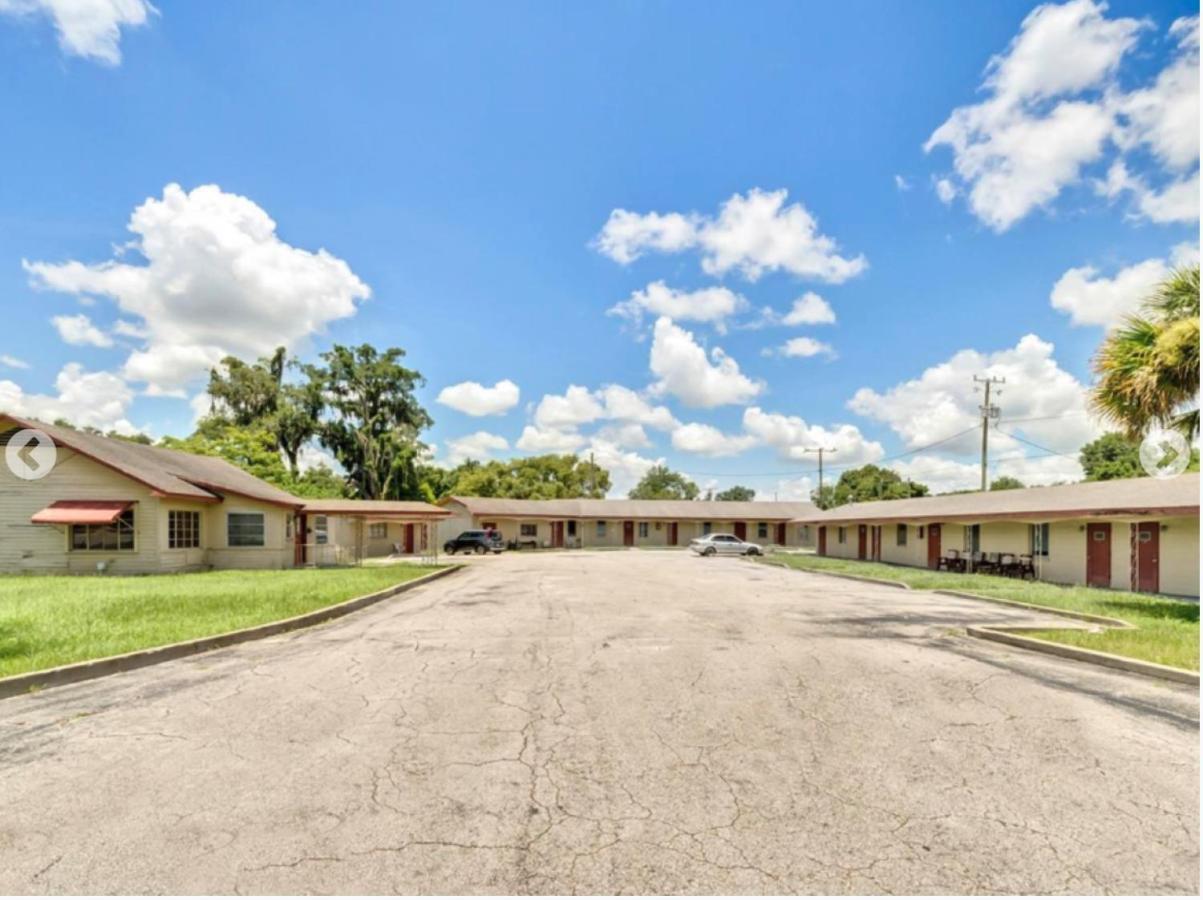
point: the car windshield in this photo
(469, 535)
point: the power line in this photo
(1048, 450)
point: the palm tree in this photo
(1148, 367)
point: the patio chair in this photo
(1008, 565)
(1026, 566)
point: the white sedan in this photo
(712, 544)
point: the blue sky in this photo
(459, 165)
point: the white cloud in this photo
(1177, 201)
(478, 445)
(942, 474)
(625, 405)
(1022, 145)
(87, 28)
(217, 280)
(942, 401)
(753, 233)
(792, 436)
(549, 440)
(624, 434)
(312, 456)
(684, 370)
(946, 190)
(96, 399)
(901, 183)
(706, 440)
(805, 347)
(12, 362)
(712, 304)
(1090, 298)
(795, 488)
(810, 309)
(576, 406)
(79, 331)
(474, 399)
(625, 466)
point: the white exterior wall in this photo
(1180, 557)
(277, 551)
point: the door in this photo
(741, 530)
(672, 534)
(933, 545)
(876, 535)
(409, 537)
(822, 540)
(1098, 554)
(300, 551)
(781, 534)
(1148, 553)
(557, 534)
(862, 534)
(628, 534)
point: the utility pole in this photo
(820, 451)
(989, 412)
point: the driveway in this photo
(636, 722)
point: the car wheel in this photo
(449, 550)
(709, 551)
(479, 549)
(752, 551)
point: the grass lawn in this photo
(50, 620)
(1167, 631)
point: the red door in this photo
(628, 534)
(299, 550)
(822, 540)
(409, 537)
(781, 534)
(861, 535)
(557, 534)
(1098, 554)
(741, 530)
(672, 534)
(933, 545)
(1148, 552)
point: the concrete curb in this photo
(1035, 607)
(865, 578)
(1154, 670)
(15, 685)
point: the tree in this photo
(549, 477)
(374, 421)
(1148, 367)
(1006, 483)
(661, 483)
(1111, 456)
(867, 483)
(736, 492)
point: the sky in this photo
(711, 236)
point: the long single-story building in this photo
(1138, 534)
(118, 506)
(630, 523)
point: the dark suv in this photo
(474, 542)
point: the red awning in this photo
(81, 512)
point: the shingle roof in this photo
(716, 510)
(170, 472)
(1124, 497)
(397, 508)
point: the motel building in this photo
(108, 505)
(583, 524)
(1135, 534)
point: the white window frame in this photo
(377, 531)
(245, 513)
(193, 516)
(88, 530)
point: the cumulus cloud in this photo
(625, 405)
(946, 190)
(626, 467)
(1090, 298)
(96, 399)
(804, 347)
(810, 309)
(942, 473)
(624, 434)
(549, 440)
(216, 280)
(474, 399)
(753, 233)
(576, 406)
(87, 28)
(683, 369)
(478, 445)
(942, 402)
(792, 436)
(901, 183)
(12, 362)
(80, 332)
(706, 440)
(712, 304)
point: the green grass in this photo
(51, 620)
(1166, 631)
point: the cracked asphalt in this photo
(632, 722)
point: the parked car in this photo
(712, 544)
(474, 542)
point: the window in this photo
(841, 534)
(643, 529)
(805, 534)
(321, 531)
(117, 535)
(528, 529)
(975, 538)
(901, 537)
(572, 527)
(183, 529)
(1038, 539)
(762, 530)
(247, 529)
(706, 528)
(378, 530)
(601, 529)
(920, 532)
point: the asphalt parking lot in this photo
(629, 721)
